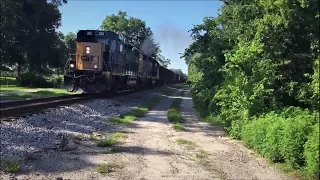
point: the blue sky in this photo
(170, 21)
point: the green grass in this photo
(181, 94)
(202, 154)
(11, 89)
(114, 139)
(135, 112)
(139, 111)
(174, 114)
(181, 86)
(128, 117)
(188, 144)
(109, 150)
(152, 102)
(168, 92)
(118, 120)
(38, 94)
(10, 166)
(109, 167)
(178, 127)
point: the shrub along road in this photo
(151, 148)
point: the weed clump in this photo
(109, 167)
(178, 127)
(10, 166)
(118, 120)
(136, 112)
(114, 139)
(187, 143)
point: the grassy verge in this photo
(174, 114)
(181, 86)
(168, 92)
(11, 90)
(139, 111)
(37, 94)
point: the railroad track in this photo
(9, 110)
(22, 108)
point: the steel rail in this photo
(37, 100)
(9, 110)
(22, 108)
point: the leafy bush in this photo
(281, 137)
(273, 138)
(254, 133)
(237, 128)
(30, 79)
(297, 126)
(57, 82)
(311, 152)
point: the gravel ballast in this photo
(43, 131)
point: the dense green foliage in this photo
(29, 40)
(280, 136)
(30, 44)
(312, 151)
(255, 69)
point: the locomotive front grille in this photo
(89, 56)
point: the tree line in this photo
(31, 44)
(255, 70)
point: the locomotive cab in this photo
(89, 69)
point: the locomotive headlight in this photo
(87, 49)
(95, 66)
(72, 65)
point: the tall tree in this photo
(261, 55)
(12, 33)
(163, 60)
(28, 32)
(70, 40)
(134, 29)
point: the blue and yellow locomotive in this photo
(105, 62)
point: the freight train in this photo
(105, 62)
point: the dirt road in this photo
(154, 150)
(207, 153)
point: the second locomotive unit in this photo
(105, 62)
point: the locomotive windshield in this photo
(86, 36)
